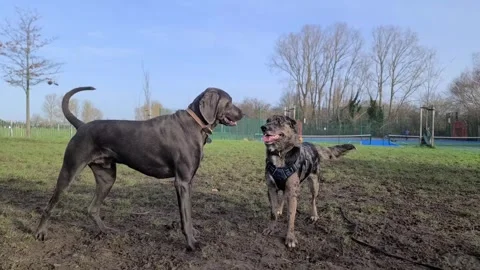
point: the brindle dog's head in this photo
(280, 133)
(215, 106)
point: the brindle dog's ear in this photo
(292, 123)
(208, 106)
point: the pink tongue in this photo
(266, 138)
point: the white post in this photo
(294, 110)
(11, 128)
(421, 120)
(433, 127)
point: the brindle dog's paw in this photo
(40, 235)
(106, 231)
(272, 228)
(268, 231)
(291, 241)
(110, 230)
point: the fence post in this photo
(11, 128)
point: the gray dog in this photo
(162, 147)
(289, 162)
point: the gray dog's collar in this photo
(205, 128)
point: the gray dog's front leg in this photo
(184, 195)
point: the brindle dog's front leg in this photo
(273, 199)
(281, 202)
(291, 193)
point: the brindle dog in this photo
(289, 162)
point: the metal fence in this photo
(247, 129)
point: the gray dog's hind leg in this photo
(65, 177)
(314, 187)
(105, 175)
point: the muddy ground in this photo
(407, 212)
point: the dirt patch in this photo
(424, 220)
(150, 237)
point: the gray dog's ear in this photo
(208, 106)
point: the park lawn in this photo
(417, 203)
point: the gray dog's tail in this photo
(65, 102)
(334, 152)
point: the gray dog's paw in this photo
(196, 233)
(194, 246)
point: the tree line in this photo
(23, 66)
(334, 77)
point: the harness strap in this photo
(281, 174)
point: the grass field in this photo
(420, 204)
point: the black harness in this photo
(281, 174)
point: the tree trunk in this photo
(380, 87)
(27, 105)
(27, 90)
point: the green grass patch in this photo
(421, 202)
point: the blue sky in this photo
(189, 45)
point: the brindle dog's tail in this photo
(334, 152)
(66, 111)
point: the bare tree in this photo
(359, 87)
(382, 42)
(147, 92)
(321, 64)
(287, 99)
(155, 109)
(300, 56)
(344, 47)
(465, 89)
(23, 66)
(347, 45)
(406, 65)
(400, 63)
(36, 120)
(254, 108)
(90, 113)
(51, 109)
(433, 77)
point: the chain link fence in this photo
(249, 129)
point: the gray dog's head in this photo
(280, 133)
(215, 106)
